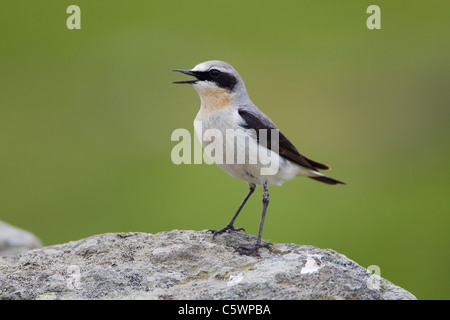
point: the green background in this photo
(86, 118)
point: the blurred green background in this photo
(86, 118)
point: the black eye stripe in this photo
(222, 79)
(214, 73)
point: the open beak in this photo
(188, 72)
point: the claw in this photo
(227, 228)
(254, 250)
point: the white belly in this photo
(238, 153)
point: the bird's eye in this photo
(214, 73)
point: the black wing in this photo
(286, 149)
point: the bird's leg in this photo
(255, 249)
(230, 225)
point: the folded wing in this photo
(285, 149)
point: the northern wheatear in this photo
(225, 105)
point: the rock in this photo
(186, 265)
(14, 240)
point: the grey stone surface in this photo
(184, 264)
(14, 240)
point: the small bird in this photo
(225, 105)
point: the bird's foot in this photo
(253, 250)
(229, 227)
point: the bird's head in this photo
(218, 80)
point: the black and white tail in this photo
(325, 179)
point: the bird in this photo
(225, 105)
